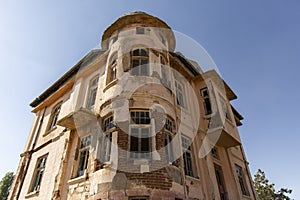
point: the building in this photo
(135, 120)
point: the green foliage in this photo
(5, 185)
(266, 190)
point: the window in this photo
(140, 143)
(187, 156)
(168, 136)
(140, 117)
(140, 135)
(38, 174)
(93, 87)
(108, 123)
(169, 125)
(106, 148)
(215, 153)
(54, 117)
(168, 147)
(224, 108)
(140, 30)
(112, 70)
(241, 179)
(164, 74)
(221, 183)
(179, 94)
(139, 62)
(83, 155)
(206, 101)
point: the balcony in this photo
(78, 119)
(224, 133)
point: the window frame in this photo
(241, 180)
(83, 149)
(92, 92)
(140, 31)
(141, 60)
(112, 70)
(54, 117)
(140, 124)
(108, 123)
(187, 150)
(180, 97)
(38, 174)
(219, 174)
(169, 146)
(168, 134)
(106, 145)
(206, 101)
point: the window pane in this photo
(106, 148)
(92, 97)
(135, 63)
(144, 53)
(140, 30)
(187, 164)
(39, 171)
(136, 52)
(134, 143)
(112, 74)
(83, 162)
(145, 145)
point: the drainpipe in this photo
(31, 151)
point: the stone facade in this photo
(135, 120)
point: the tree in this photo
(266, 190)
(5, 185)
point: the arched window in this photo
(139, 62)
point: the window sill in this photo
(77, 179)
(193, 178)
(246, 196)
(141, 161)
(109, 85)
(112, 129)
(32, 194)
(208, 116)
(49, 131)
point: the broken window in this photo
(38, 174)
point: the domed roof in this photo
(138, 18)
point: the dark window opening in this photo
(140, 30)
(140, 143)
(221, 183)
(206, 101)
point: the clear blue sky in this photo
(255, 45)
